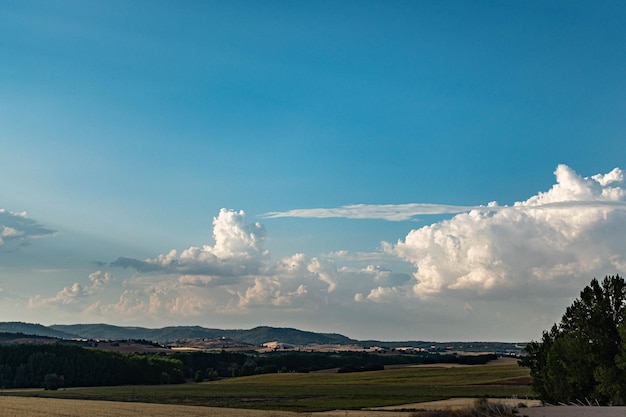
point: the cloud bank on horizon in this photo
(519, 260)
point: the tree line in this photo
(58, 365)
(238, 364)
(208, 366)
(44, 366)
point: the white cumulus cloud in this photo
(74, 293)
(571, 232)
(505, 270)
(238, 251)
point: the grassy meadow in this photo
(314, 392)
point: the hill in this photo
(21, 338)
(256, 336)
(33, 329)
(264, 334)
(110, 332)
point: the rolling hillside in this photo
(33, 329)
(256, 336)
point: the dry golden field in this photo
(48, 407)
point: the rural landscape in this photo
(293, 371)
(321, 376)
(318, 208)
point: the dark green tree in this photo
(199, 377)
(21, 377)
(211, 374)
(584, 356)
(6, 376)
(53, 382)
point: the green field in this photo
(322, 391)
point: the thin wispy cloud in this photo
(404, 212)
(391, 212)
(593, 192)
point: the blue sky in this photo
(131, 129)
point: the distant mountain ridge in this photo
(255, 336)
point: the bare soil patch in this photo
(361, 413)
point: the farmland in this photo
(46, 407)
(315, 392)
